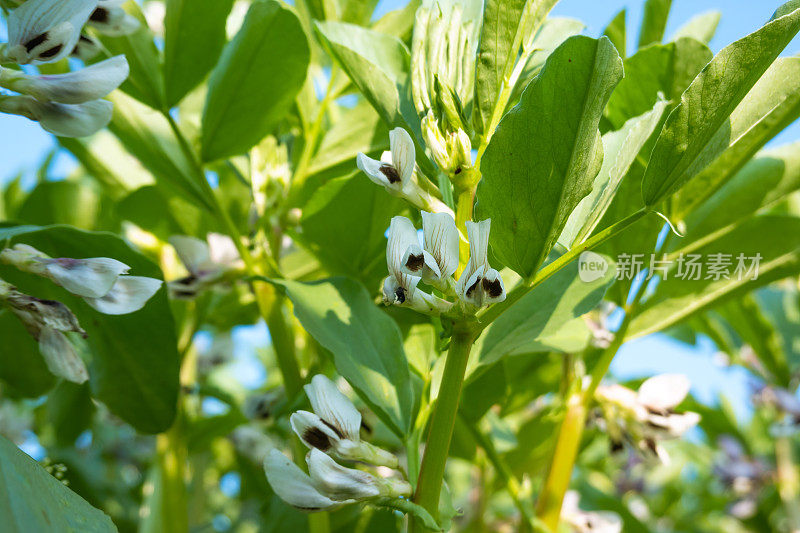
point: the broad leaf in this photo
(666, 69)
(255, 82)
(532, 181)
(146, 80)
(768, 109)
(148, 136)
(701, 27)
(33, 500)
(616, 32)
(620, 149)
(135, 363)
(505, 25)
(193, 41)
(680, 152)
(22, 368)
(654, 21)
(547, 318)
(775, 238)
(365, 342)
(344, 224)
(762, 181)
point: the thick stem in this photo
(548, 508)
(270, 304)
(443, 421)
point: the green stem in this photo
(788, 482)
(443, 421)
(545, 273)
(312, 135)
(548, 507)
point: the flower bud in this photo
(294, 486)
(75, 87)
(62, 120)
(436, 142)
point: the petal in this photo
(415, 259)
(60, 356)
(92, 277)
(250, 441)
(333, 407)
(55, 22)
(222, 250)
(112, 20)
(338, 482)
(441, 240)
(663, 392)
(402, 235)
(194, 253)
(372, 168)
(129, 294)
(492, 286)
(313, 431)
(478, 234)
(468, 287)
(293, 485)
(75, 87)
(403, 153)
(62, 120)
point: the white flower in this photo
(396, 173)
(250, 441)
(480, 284)
(111, 19)
(440, 254)
(588, 521)
(90, 83)
(206, 262)
(92, 278)
(129, 294)
(259, 406)
(62, 120)
(219, 353)
(341, 483)
(334, 426)
(404, 256)
(43, 31)
(294, 486)
(87, 48)
(658, 396)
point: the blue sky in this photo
(23, 145)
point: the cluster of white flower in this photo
(46, 31)
(100, 281)
(647, 416)
(436, 260)
(331, 431)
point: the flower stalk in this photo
(443, 421)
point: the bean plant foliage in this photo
(317, 269)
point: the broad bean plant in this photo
(321, 270)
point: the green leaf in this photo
(344, 224)
(255, 82)
(193, 41)
(771, 106)
(69, 410)
(359, 129)
(377, 64)
(505, 23)
(666, 69)
(135, 362)
(768, 178)
(775, 237)
(532, 182)
(148, 136)
(707, 104)
(22, 367)
(701, 27)
(33, 500)
(61, 202)
(654, 21)
(616, 32)
(545, 319)
(146, 79)
(365, 342)
(620, 149)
